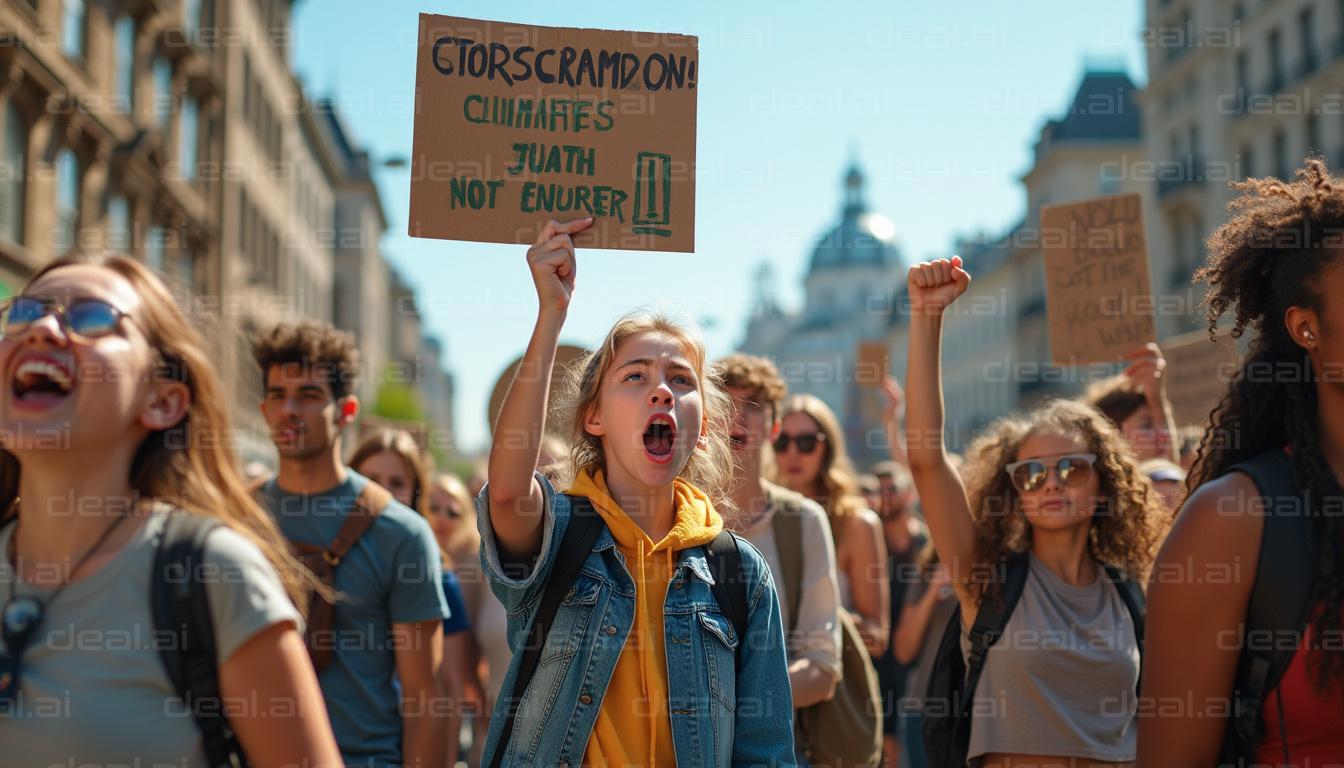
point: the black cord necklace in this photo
(23, 615)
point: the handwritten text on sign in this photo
(519, 124)
(1096, 271)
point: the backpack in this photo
(1280, 603)
(730, 592)
(323, 561)
(845, 730)
(951, 692)
(180, 605)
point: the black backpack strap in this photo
(1280, 601)
(580, 535)
(181, 607)
(992, 618)
(730, 583)
(1137, 605)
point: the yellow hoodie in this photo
(634, 726)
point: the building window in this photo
(154, 249)
(187, 126)
(13, 173)
(119, 224)
(1313, 130)
(1243, 80)
(73, 28)
(67, 200)
(124, 35)
(1306, 29)
(1281, 162)
(163, 91)
(1276, 78)
(191, 16)
(1247, 162)
(186, 269)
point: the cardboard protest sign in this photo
(1098, 298)
(1198, 371)
(519, 124)
(873, 363)
(566, 356)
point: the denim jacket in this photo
(721, 716)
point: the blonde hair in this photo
(404, 446)
(709, 468)
(466, 540)
(186, 465)
(838, 486)
(1124, 533)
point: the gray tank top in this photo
(1060, 682)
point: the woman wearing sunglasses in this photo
(111, 407)
(811, 459)
(1060, 484)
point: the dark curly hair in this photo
(1127, 524)
(1269, 256)
(310, 346)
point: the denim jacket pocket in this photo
(570, 628)
(720, 645)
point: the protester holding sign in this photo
(1244, 583)
(1052, 510)
(653, 636)
(97, 352)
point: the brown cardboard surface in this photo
(498, 152)
(1198, 370)
(873, 363)
(566, 355)
(1098, 299)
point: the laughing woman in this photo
(116, 418)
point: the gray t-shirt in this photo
(93, 689)
(1061, 681)
(393, 575)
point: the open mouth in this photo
(41, 383)
(659, 437)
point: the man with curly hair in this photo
(810, 619)
(383, 649)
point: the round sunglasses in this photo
(1072, 470)
(806, 443)
(83, 319)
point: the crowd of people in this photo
(692, 571)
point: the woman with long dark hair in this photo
(1279, 424)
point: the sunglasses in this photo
(18, 624)
(1072, 470)
(84, 320)
(806, 443)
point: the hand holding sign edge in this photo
(554, 264)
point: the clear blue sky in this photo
(941, 102)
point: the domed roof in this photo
(861, 238)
